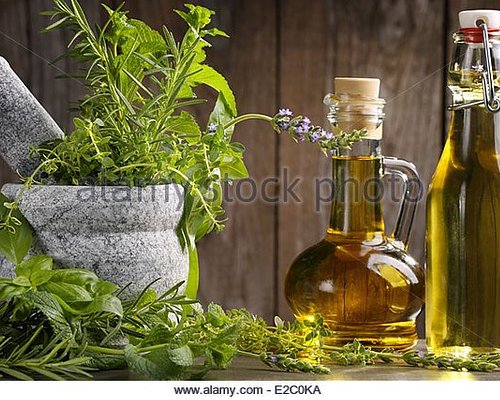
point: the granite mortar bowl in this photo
(125, 235)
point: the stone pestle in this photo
(24, 123)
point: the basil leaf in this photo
(8, 290)
(68, 292)
(221, 114)
(233, 167)
(208, 76)
(107, 303)
(38, 269)
(14, 246)
(194, 271)
(22, 281)
(105, 287)
(75, 276)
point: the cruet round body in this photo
(362, 281)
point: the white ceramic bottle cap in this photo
(369, 87)
(471, 18)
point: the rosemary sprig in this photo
(33, 358)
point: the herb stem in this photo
(247, 353)
(245, 117)
(153, 348)
(105, 350)
(118, 352)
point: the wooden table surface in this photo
(247, 368)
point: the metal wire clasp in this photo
(490, 99)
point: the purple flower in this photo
(300, 138)
(275, 359)
(212, 127)
(300, 130)
(306, 127)
(284, 125)
(306, 121)
(314, 137)
(421, 353)
(330, 152)
(328, 135)
(285, 112)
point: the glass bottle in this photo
(463, 204)
(362, 281)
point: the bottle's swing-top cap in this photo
(369, 87)
(472, 18)
(363, 104)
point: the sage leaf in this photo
(105, 362)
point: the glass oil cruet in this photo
(362, 281)
(463, 204)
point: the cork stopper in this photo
(356, 105)
(369, 87)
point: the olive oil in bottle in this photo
(463, 206)
(361, 281)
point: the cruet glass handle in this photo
(412, 192)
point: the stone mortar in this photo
(124, 235)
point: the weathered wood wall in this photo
(281, 53)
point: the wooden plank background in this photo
(281, 53)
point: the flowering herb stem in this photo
(247, 117)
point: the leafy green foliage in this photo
(61, 324)
(134, 125)
(43, 311)
(133, 129)
(167, 337)
(15, 242)
(38, 357)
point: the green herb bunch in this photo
(136, 124)
(68, 323)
